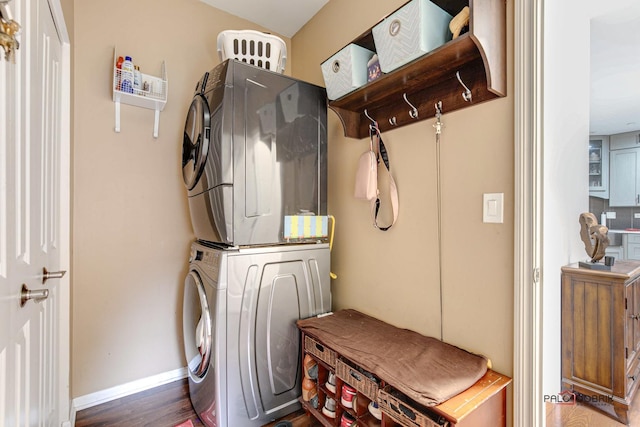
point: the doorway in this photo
(34, 217)
(552, 130)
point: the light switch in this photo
(493, 208)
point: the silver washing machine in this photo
(241, 342)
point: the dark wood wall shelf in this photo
(479, 56)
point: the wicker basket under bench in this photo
(341, 343)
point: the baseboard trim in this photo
(104, 396)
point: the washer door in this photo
(195, 145)
(197, 327)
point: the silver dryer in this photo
(254, 151)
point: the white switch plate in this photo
(611, 215)
(493, 208)
(636, 215)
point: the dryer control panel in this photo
(208, 259)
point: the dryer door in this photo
(197, 327)
(195, 144)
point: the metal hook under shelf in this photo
(438, 107)
(373, 124)
(466, 95)
(393, 121)
(366, 113)
(414, 111)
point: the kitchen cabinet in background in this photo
(624, 176)
(615, 251)
(599, 166)
(625, 140)
(631, 245)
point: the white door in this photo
(31, 215)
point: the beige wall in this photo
(131, 229)
(395, 275)
(131, 222)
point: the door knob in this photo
(46, 275)
(37, 296)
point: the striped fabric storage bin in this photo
(346, 71)
(413, 30)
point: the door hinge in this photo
(626, 352)
(625, 303)
(536, 275)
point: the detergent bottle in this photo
(126, 84)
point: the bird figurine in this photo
(594, 236)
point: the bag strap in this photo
(381, 152)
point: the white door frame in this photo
(64, 393)
(528, 406)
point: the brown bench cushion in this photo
(425, 369)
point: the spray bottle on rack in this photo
(119, 71)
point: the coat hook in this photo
(393, 121)
(414, 111)
(370, 118)
(466, 95)
(438, 107)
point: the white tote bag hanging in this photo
(366, 186)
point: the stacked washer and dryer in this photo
(254, 161)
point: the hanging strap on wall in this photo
(381, 152)
(438, 127)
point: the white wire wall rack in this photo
(151, 94)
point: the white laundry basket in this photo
(253, 47)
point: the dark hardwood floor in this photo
(164, 406)
(169, 405)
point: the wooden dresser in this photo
(373, 374)
(601, 335)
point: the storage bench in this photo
(416, 381)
